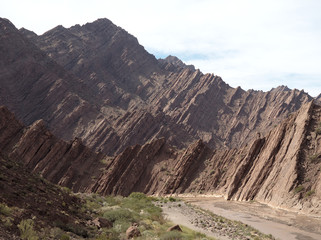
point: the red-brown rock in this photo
(174, 228)
(132, 232)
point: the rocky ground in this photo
(197, 214)
(208, 223)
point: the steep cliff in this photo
(131, 87)
(34, 87)
(281, 169)
(68, 164)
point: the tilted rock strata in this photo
(34, 87)
(68, 164)
(276, 169)
(281, 169)
(127, 80)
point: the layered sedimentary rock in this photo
(171, 128)
(69, 164)
(126, 86)
(281, 168)
(34, 87)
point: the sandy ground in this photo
(185, 215)
(281, 224)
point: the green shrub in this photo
(136, 202)
(137, 195)
(309, 193)
(5, 210)
(298, 189)
(171, 199)
(26, 230)
(120, 214)
(64, 237)
(173, 235)
(111, 201)
(69, 227)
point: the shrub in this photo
(309, 193)
(111, 201)
(64, 237)
(137, 195)
(171, 199)
(26, 230)
(4, 209)
(298, 189)
(173, 235)
(119, 214)
(69, 227)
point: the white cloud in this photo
(254, 44)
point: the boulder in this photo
(132, 232)
(174, 228)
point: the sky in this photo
(255, 44)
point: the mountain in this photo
(171, 128)
(30, 203)
(281, 169)
(132, 98)
(69, 164)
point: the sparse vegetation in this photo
(27, 231)
(318, 129)
(309, 193)
(298, 189)
(138, 209)
(5, 210)
(315, 158)
(172, 199)
(174, 235)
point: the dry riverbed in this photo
(208, 223)
(213, 216)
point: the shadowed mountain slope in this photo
(170, 98)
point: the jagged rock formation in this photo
(282, 169)
(96, 82)
(164, 121)
(174, 64)
(68, 164)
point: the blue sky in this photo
(253, 44)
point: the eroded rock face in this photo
(106, 84)
(171, 128)
(281, 169)
(68, 164)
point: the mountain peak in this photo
(174, 62)
(6, 25)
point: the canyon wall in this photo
(281, 169)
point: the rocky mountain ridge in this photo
(168, 128)
(111, 84)
(281, 169)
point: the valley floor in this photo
(279, 223)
